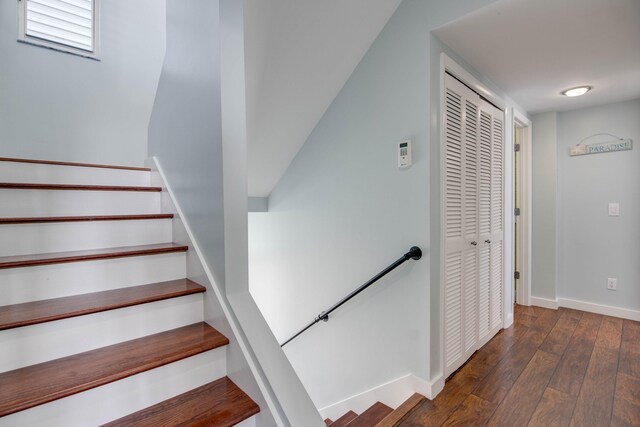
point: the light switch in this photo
(614, 209)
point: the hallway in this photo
(550, 368)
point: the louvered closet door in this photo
(461, 224)
(473, 223)
(497, 230)
(490, 258)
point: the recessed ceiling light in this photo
(576, 91)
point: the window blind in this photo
(66, 22)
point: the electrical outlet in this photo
(614, 209)
(612, 284)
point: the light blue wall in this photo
(185, 131)
(343, 211)
(591, 245)
(197, 121)
(58, 106)
(544, 148)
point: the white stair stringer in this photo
(19, 285)
(40, 203)
(29, 345)
(120, 398)
(222, 316)
(61, 174)
(24, 239)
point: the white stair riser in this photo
(24, 239)
(52, 340)
(36, 203)
(18, 285)
(118, 399)
(58, 174)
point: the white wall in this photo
(543, 204)
(59, 106)
(343, 211)
(591, 245)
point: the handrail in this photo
(415, 253)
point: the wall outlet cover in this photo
(612, 284)
(614, 209)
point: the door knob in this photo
(474, 243)
(487, 241)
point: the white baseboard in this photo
(508, 320)
(545, 302)
(392, 394)
(591, 307)
(607, 310)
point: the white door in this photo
(490, 263)
(461, 224)
(473, 223)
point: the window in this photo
(65, 25)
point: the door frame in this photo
(523, 126)
(448, 65)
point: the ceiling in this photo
(534, 49)
(299, 54)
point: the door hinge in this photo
(516, 147)
(516, 274)
(516, 211)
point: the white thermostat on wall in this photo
(404, 154)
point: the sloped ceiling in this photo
(534, 49)
(299, 54)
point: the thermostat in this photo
(404, 154)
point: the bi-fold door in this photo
(473, 222)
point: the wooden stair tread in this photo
(328, 422)
(345, 419)
(220, 403)
(80, 187)
(371, 416)
(37, 384)
(395, 417)
(31, 313)
(88, 255)
(43, 219)
(84, 165)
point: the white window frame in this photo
(23, 37)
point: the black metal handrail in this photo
(415, 253)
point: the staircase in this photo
(378, 415)
(98, 323)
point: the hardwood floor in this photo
(551, 368)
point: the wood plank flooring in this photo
(372, 416)
(34, 312)
(34, 385)
(87, 218)
(220, 403)
(550, 368)
(345, 419)
(85, 165)
(32, 260)
(76, 187)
